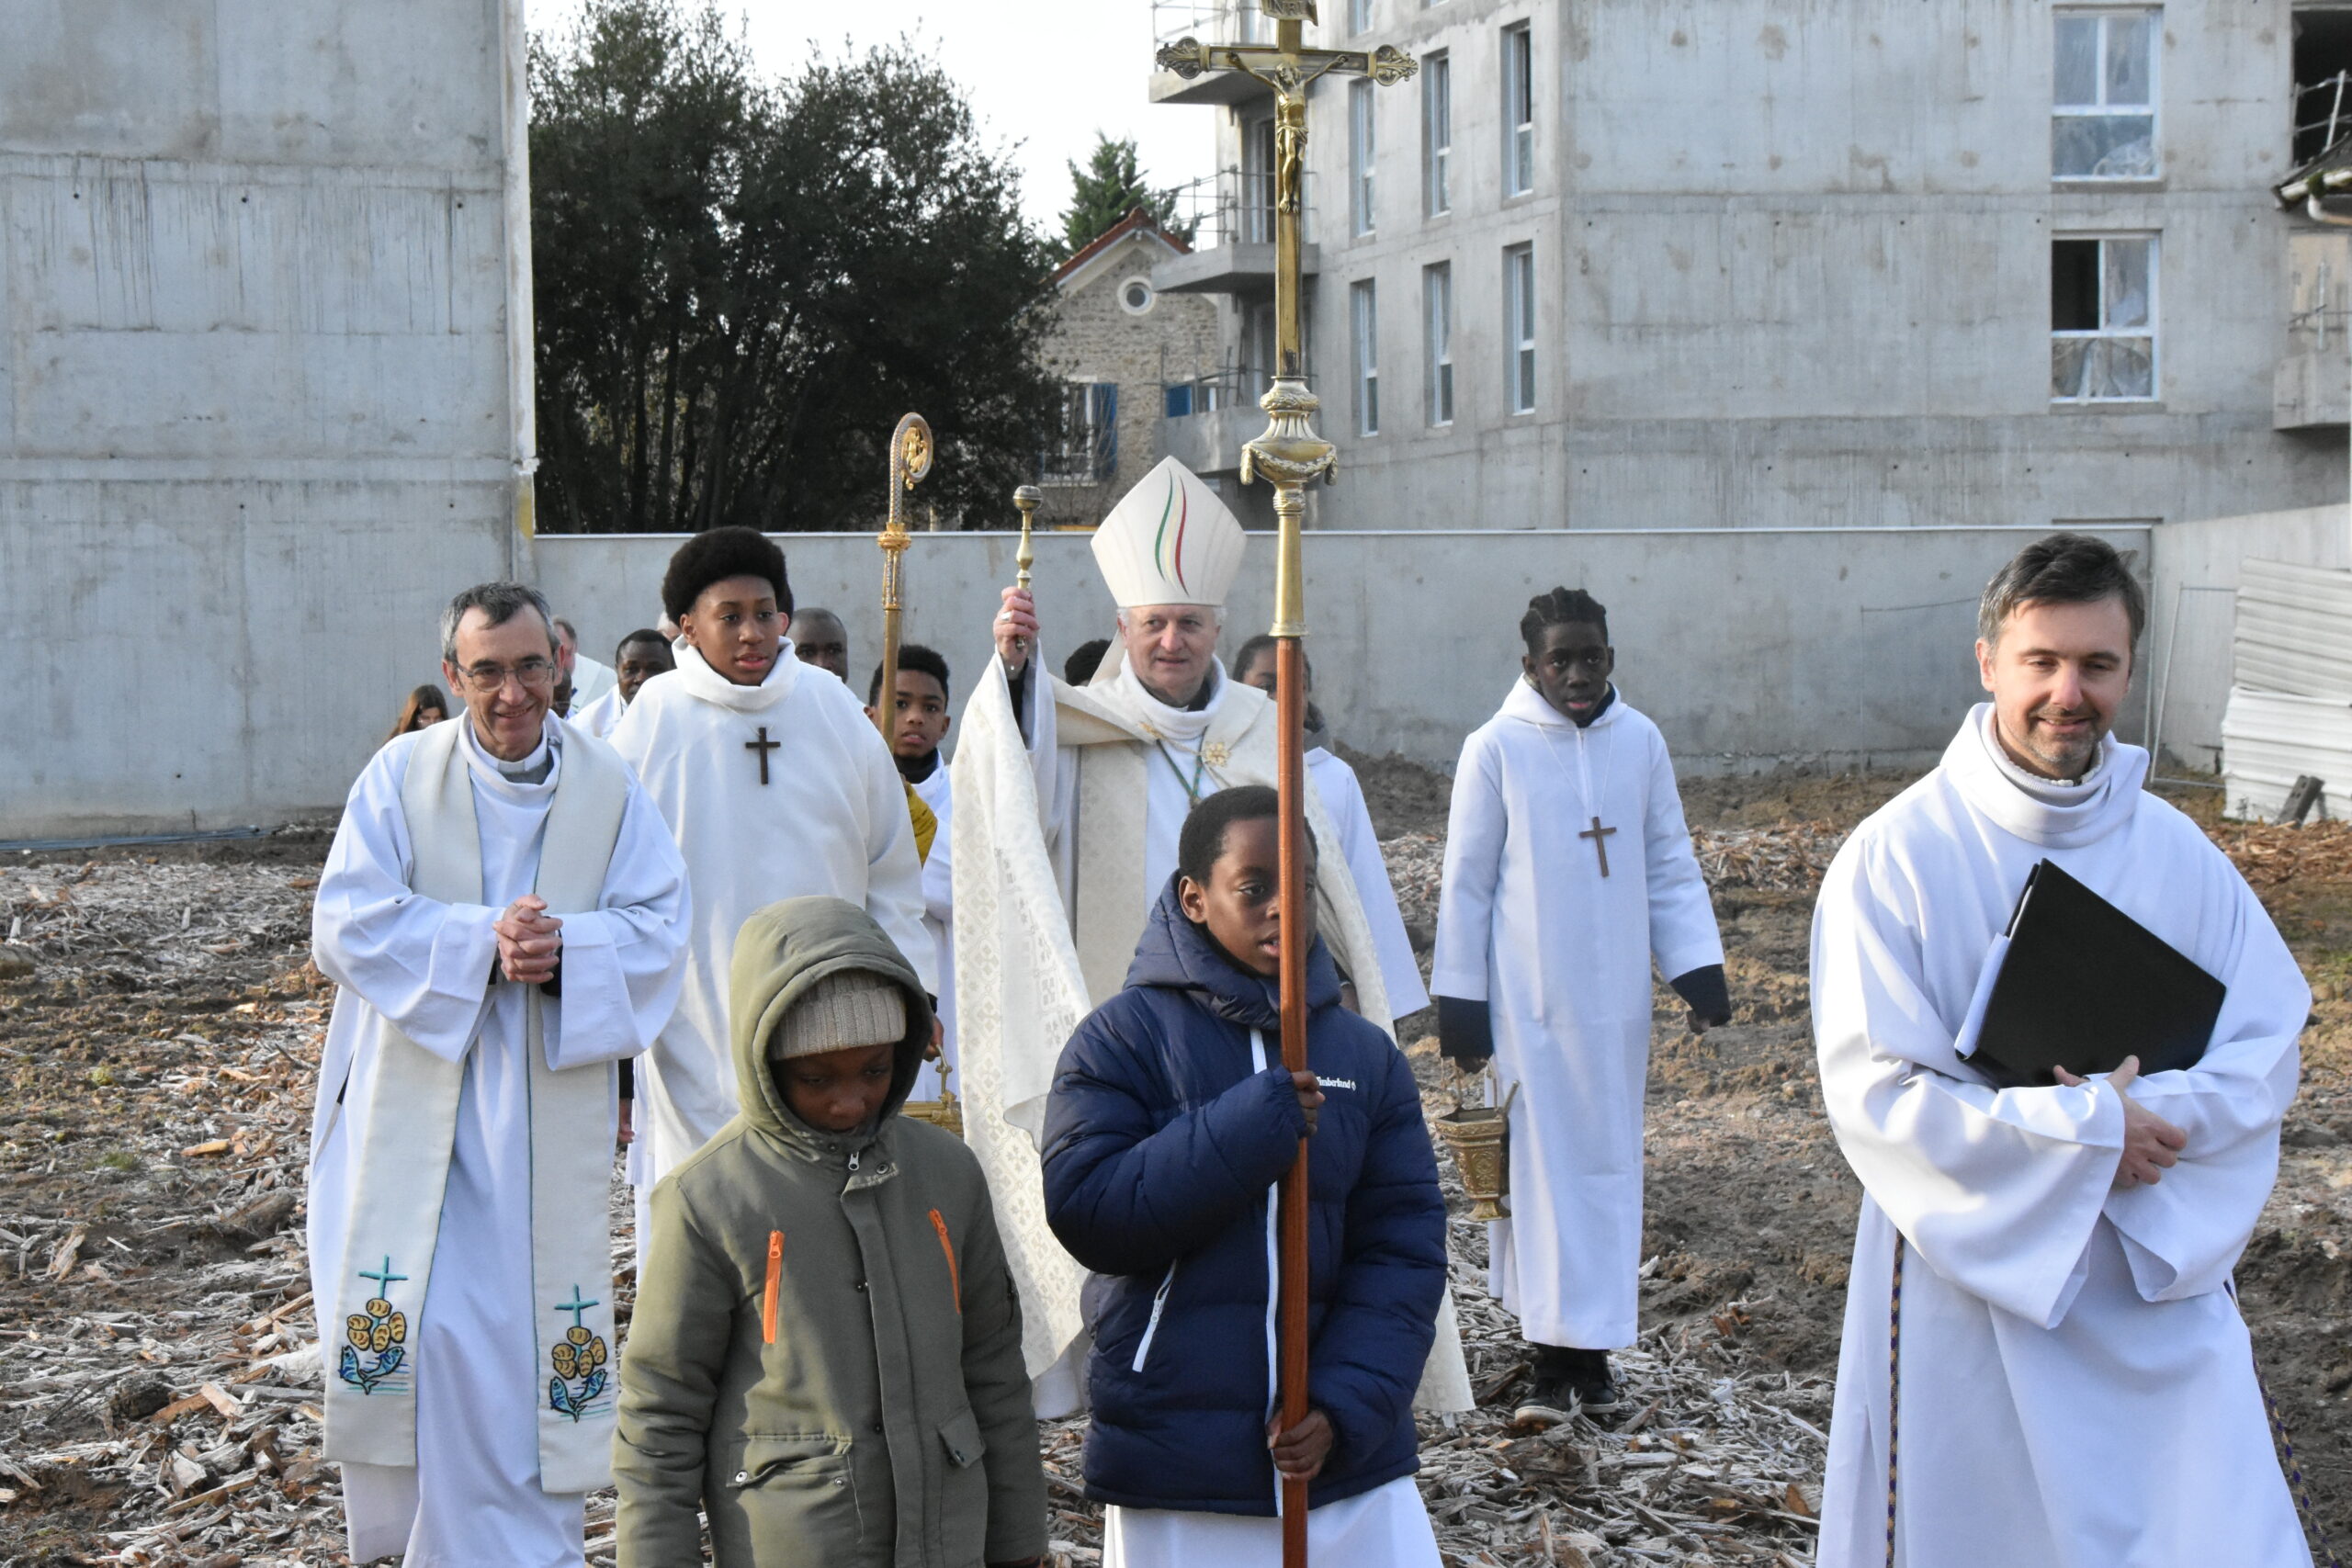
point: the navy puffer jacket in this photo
(1164, 1135)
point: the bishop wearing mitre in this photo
(1069, 803)
(503, 914)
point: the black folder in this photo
(2080, 985)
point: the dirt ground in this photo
(158, 1038)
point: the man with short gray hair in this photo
(2064, 1352)
(503, 915)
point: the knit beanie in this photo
(841, 1013)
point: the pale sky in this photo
(1042, 76)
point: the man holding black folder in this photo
(2043, 1365)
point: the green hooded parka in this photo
(826, 1356)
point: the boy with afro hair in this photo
(777, 786)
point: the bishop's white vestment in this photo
(2076, 1385)
(781, 790)
(1067, 821)
(1561, 953)
(1342, 795)
(445, 1321)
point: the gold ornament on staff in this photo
(1028, 498)
(910, 461)
(911, 449)
(1289, 456)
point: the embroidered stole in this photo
(407, 1128)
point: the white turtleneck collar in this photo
(696, 675)
(2046, 811)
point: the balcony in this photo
(2311, 385)
(1231, 214)
(1211, 21)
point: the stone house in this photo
(1123, 349)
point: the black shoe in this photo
(1587, 1376)
(1549, 1401)
(1548, 1404)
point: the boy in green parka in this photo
(827, 1360)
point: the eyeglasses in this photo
(487, 680)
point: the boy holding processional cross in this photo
(1170, 1120)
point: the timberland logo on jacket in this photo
(1349, 1084)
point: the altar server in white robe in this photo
(920, 721)
(1342, 796)
(1568, 873)
(776, 785)
(503, 915)
(1068, 804)
(2075, 1385)
(641, 656)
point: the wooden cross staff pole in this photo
(910, 461)
(1290, 455)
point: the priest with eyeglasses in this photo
(504, 913)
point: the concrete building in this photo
(1666, 264)
(1120, 346)
(264, 389)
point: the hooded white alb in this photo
(2076, 1384)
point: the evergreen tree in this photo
(1107, 189)
(742, 283)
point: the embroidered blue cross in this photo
(385, 1278)
(575, 1306)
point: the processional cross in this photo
(1290, 455)
(763, 746)
(1600, 837)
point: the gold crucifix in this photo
(1600, 837)
(1289, 453)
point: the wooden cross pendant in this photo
(763, 746)
(1596, 833)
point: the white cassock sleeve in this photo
(939, 878)
(624, 962)
(1474, 827)
(893, 868)
(1343, 798)
(1683, 936)
(2183, 1236)
(1998, 1190)
(425, 965)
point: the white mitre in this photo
(1172, 541)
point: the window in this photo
(1437, 326)
(1519, 328)
(1359, 16)
(2103, 124)
(1360, 156)
(1437, 133)
(1256, 194)
(1519, 111)
(1136, 296)
(1176, 402)
(1258, 350)
(2103, 319)
(2323, 81)
(1363, 313)
(1088, 452)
